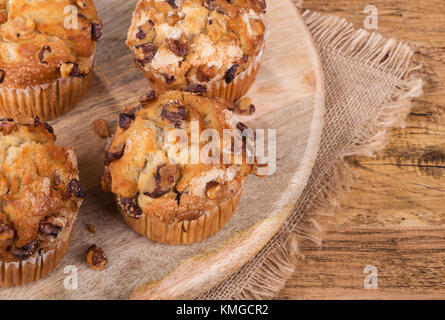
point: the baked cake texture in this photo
(45, 44)
(161, 193)
(206, 46)
(40, 196)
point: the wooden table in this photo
(394, 216)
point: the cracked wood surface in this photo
(394, 215)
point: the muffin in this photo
(40, 195)
(206, 46)
(167, 195)
(47, 53)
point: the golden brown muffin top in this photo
(40, 192)
(197, 41)
(39, 43)
(149, 177)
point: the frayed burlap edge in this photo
(268, 272)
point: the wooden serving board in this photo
(288, 96)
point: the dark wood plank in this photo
(402, 186)
(409, 261)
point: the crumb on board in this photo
(96, 258)
(245, 107)
(101, 129)
(91, 228)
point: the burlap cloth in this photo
(369, 85)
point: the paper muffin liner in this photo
(47, 101)
(231, 92)
(239, 87)
(14, 272)
(189, 231)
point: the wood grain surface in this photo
(394, 216)
(288, 95)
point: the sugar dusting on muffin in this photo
(36, 47)
(197, 41)
(147, 181)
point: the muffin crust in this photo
(148, 179)
(191, 43)
(35, 46)
(40, 193)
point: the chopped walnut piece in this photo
(49, 229)
(196, 88)
(52, 225)
(96, 31)
(220, 6)
(43, 53)
(91, 228)
(145, 30)
(125, 120)
(245, 107)
(173, 112)
(148, 51)
(27, 251)
(178, 47)
(147, 97)
(113, 156)
(74, 188)
(214, 190)
(164, 180)
(71, 69)
(96, 258)
(131, 207)
(206, 73)
(101, 129)
(65, 69)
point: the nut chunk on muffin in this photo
(47, 52)
(40, 195)
(162, 193)
(201, 46)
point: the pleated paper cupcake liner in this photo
(15, 273)
(46, 101)
(189, 231)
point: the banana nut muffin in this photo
(47, 52)
(159, 191)
(212, 46)
(40, 195)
